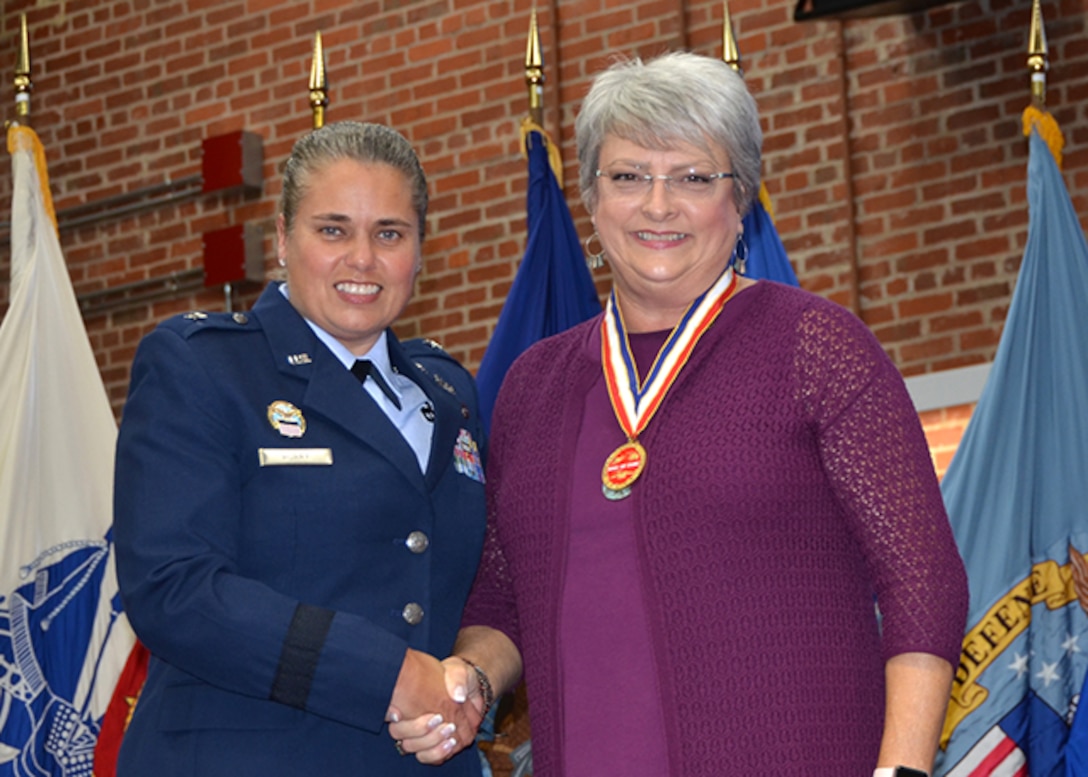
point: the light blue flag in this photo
(1017, 496)
(767, 258)
(552, 290)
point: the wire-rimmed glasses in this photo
(626, 180)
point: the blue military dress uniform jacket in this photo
(278, 547)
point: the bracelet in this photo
(485, 685)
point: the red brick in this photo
(924, 306)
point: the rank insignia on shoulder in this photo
(442, 382)
(434, 344)
(196, 315)
(466, 457)
(286, 418)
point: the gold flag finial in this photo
(534, 71)
(1037, 55)
(319, 85)
(534, 79)
(22, 82)
(1036, 116)
(730, 52)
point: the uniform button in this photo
(417, 542)
(240, 318)
(412, 614)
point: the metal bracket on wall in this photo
(131, 202)
(96, 303)
(125, 204)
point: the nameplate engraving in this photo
(287, 457)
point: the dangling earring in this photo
(283, 262)
(593, 261)
(740, 255)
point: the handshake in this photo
(437, 706)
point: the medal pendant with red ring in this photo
(621, 469)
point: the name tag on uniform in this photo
(287, 457)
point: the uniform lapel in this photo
(447, 405)
(331, 390)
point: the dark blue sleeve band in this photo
(301, 651)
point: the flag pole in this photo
(23, 84)
(319, 85)
(1038, 62)
(534, 72)
(534, 80)
(1036, 116)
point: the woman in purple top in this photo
(716, 542)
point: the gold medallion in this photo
(622, 468)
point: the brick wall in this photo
(893, 153)
(944, 428)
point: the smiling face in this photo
(353, 250)
(665, 248)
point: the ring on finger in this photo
(398, 744)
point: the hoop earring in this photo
(739, 260)
(594, 261)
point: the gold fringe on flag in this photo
(22, 138)
(766, 200)
(554, 157)
(1049, 130)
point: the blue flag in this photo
(552, 290)
(1017, 496)
(767, 258)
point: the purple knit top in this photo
(788, 484)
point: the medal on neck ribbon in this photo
(633, 401)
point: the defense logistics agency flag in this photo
(1017, 496)
(63, 640)
(552, 290)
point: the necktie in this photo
(363, 368)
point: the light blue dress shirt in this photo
(412, 419)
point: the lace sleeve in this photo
(876, 457)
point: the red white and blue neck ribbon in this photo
(633, 401)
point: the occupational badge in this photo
(286, 418)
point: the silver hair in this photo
(675, 97)
(361, 142)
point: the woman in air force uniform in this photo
(299, 496)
